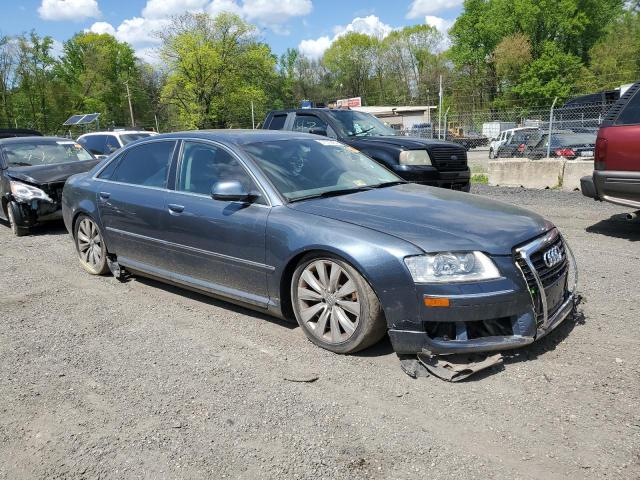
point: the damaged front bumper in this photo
(34, 212)
(499, 319)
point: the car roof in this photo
(238, 137)
(32, 139)
(116, 132)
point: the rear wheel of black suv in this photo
(335, 306)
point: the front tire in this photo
(90, 246)
(17, 230)
(335, 306)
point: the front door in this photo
(218, 245)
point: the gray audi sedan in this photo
(301, 226)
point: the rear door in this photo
(131, 202)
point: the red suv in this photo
(616, 177)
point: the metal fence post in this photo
(550, 127)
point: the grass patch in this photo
(480, 178)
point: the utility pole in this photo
(133, 122)
(440, 109)
(253, 118)
(550, 127)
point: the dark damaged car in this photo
(304, 227)
(33, 170)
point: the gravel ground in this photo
(101, 379)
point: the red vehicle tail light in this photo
(521, 147)
(601, 154)
(565, 152)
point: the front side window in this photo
(631, 113)
(203, 166)
(305, 168)
(44, 152)
(145, 165)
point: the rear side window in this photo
(112, 143)
(277, 122)
(630, 115)
(145, 165)
(95, 144)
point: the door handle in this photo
(173, 208)
(104, 195)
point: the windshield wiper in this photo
(362, 132)
(332, 193)
(389, 184)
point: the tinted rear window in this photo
(145, 164)
(277, 122)
(630, 115)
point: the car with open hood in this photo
(304, 227)
(33, 170)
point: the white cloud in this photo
(218, 6)
(314, 48)
(441, 24)
(272, 13)
(138, 30)
(57, 49)
(102, 27)
(419, 8)
(75, 10)
(370, 25)
(166, 8)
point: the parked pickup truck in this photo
(429, 162)
(616, 177)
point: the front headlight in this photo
(415, 157)
(447, 267)
(25, 193)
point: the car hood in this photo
(407, 143)
(433, 219)
(58, 172)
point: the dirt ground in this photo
(101, 379)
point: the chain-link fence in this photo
(521, 132)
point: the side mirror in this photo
(231, 191)
(318, 131)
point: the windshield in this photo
(312, 168)
(358, 124)
(44, 152)
(132, 137)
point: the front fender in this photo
(78, 197)
(377, 256)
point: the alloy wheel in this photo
(90, 243)
(328, 301)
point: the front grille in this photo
(548, 275)
(54, 190)
(449, 158)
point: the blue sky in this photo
(310, 25)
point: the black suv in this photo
(430, 162)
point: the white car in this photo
(102, 144)
(503, 139)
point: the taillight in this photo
(565, 152)
(601, 154)
(521, 147)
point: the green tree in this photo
(216, 68)
(350, 59)
(8, 61)
(94, 69)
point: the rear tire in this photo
(491, 155)
(17, 230)
(335, 306)
(90, 246)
